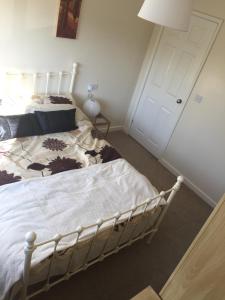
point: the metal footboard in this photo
(142, 211)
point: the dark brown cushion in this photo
(16, 126)
(56, 121)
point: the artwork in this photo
(69, 13)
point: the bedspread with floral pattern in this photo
(30, 157)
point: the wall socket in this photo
(92, 87)
(198, 98)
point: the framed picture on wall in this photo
(69, 13)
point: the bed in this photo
(69, 193)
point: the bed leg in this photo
(28, 251)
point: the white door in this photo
(174, 70)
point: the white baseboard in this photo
(116, 128)
(189, 183)
(113, 128)
(175, 171)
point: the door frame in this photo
(147, 65)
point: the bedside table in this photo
(99, 121)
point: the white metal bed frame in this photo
(47, 77)
(31, 246)
(124, 217)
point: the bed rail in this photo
(120, 217)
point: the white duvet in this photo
(60, 203)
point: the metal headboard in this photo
(43, 83)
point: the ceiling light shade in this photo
(175, 14)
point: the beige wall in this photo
(110, 46)
(197, 147)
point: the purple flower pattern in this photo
(6, 177)
(54, 144)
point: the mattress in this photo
(58, 204)
(89, 180)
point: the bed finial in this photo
(180, 180)
(74, 65)
(30, 238)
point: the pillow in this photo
(11, 106)
(15, 105)
(56, 121)
(31, 108)
(54, 99)
(60, 100)
(18, 126)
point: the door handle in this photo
(179, 101)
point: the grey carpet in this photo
(123, 275)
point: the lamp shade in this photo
(175, 14)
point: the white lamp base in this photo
(91, 108)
